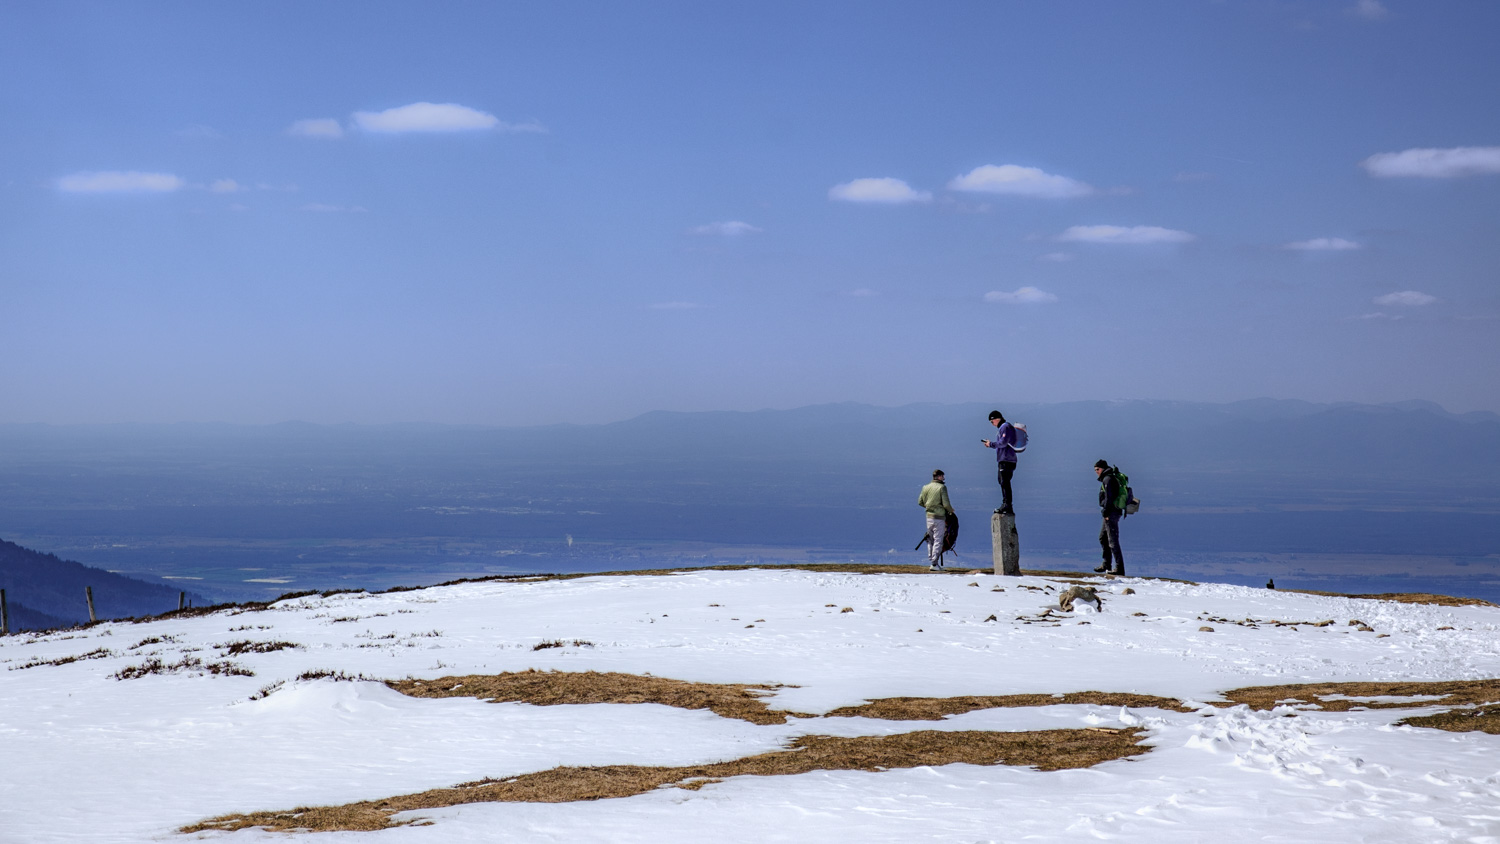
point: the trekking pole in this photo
(4, 616)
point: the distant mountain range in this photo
(313, 506)
(45, 591)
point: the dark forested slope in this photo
(43, 590)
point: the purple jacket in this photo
(1004, 439)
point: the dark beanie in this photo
(995, 414)
(1102, 464)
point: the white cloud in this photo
(1020, 296)
(728, 228)
(1056, 257)
(1020, 181)
(1434, 163)
(1374, 316)
(1405, 298)
(1124, 234)
(333, 209)
(886, 190)
(437, 117)
(225, 186)
(676, 306)
(120, 181)
(1323, 244)
(1371, 10)
(316, 127)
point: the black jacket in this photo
(1109, 490)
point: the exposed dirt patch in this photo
(1254, 623)
(1483, 719)
(936, 708)
(559, 643)
(1047, 750)
(336, 676)
(248, 647)
(1405, 598)
(97, 653)
(553, 688)
(186, 665)
(1455, 692)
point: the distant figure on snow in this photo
(934, 499)
(1111, 493)
(1005, 454)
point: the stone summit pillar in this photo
(1007, 546)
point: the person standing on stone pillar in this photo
(1005, 454)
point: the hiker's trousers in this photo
(1109, 541)
(1007, 468)
(938, 530)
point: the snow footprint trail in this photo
(1340, 774)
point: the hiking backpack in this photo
(1020, 444)
(1125, 500)
(950, 536)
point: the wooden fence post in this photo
(181, 600)
(88, 592)
(1006, 551)
(4, 615)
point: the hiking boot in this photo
(934, 567)
(1104, 569)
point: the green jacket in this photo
(935, 498)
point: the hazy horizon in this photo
(1315, 495)
(1408, 403)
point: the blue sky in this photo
(530, 213)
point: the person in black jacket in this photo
(1109, 534)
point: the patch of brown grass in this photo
(188, 665)
(554, 688)
(97, 653)
(559, 643)
(1483, 719)
(936, 708)
(1047, 750)
(1456, 692)
(249, 647)
(1405, 598)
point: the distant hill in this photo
(22, 617)
(43, 590)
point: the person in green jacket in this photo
(934, 499)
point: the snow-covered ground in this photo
(85, 757)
